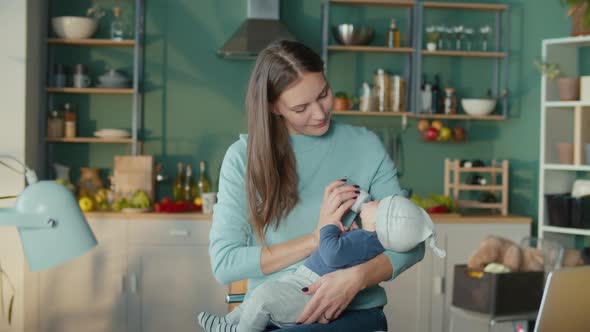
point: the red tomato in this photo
(158, 207)
(166, 201)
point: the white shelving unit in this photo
(561, 121)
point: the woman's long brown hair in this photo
(271, 174)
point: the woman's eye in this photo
(324, 94)
(301, 110)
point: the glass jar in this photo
(381, 90)
(70, 121)
(450, 101)
(55, 125)
(89, 182)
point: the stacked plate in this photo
(112, 133)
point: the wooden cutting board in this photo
(133, 173)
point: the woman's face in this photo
(306, 105)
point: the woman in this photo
(295, 172)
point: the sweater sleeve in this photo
(232, 249)
(385, 183)
(339, 251)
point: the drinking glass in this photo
(459, 36)
(469, 38)
(485, 32)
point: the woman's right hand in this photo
(338, 198)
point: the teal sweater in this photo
(344, 151)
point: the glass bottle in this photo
(55, 125)
(203, 183)
(393, 35)
(450, 101)
(178, 188)
(70, 121)
(117, 26)
(190, 192)
(436, 95)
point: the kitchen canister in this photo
(585, 88)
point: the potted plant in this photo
(342, 102)
(569, 87)
(579, 10)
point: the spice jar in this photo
(381, 90)
(55, 125)
(70, 121)
(450, 101)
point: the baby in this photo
(394, 223)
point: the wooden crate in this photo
(453, 185)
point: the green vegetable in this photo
(341, 94)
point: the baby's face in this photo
(369, 216)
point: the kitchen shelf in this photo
(389, 3)
(567, 104)
(566, 230)
(477, 187)
(117, 91)
(476, 204)
(460, 117)
(480, 170)
(373, 113)
(472, 54)
(91, 42)
(90, 140)
(564, 167)
(371, 49)
(466, 6)
(580, 41)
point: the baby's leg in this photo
(209, 321)
(279, 302)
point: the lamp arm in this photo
(29, 173)
(11, 217)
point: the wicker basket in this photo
(577, 14)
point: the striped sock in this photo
(209, 321)
(225, 327)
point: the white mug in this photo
(209, 200)
(81, 81)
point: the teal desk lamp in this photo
(52, 228)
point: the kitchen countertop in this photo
(447, 218)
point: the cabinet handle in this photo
(179, 232)
(438, 285)
(133, 283)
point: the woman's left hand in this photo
(331, 295)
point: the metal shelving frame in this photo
(413, 61)
(136, 91)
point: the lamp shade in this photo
(68, 238)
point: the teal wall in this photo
(194, 100)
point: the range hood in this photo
(261, 28)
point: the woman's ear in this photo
(274, 109)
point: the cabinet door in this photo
(462, 240)
(408, 300)
(169, 286)
(170, 275)
(87, 293)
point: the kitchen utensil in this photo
(478, 107)
(74, 27)
(351, 34)
(59, 75)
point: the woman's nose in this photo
(318, 111)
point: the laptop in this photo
(566, 301)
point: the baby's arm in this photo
(355, 248)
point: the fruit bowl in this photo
(478, 107)
(74, 27)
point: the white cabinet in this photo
(151, 275)
(87, 293)
(420, 298)
(564, 126)
(170, 283)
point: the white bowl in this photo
(478, 107)
(74, 27)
